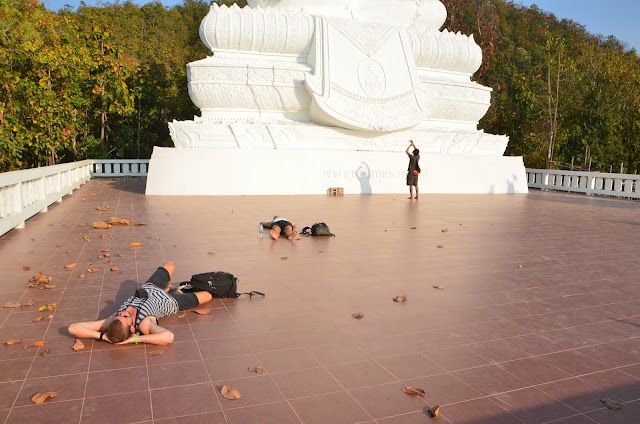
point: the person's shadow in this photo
(125, 291)
(363, 174)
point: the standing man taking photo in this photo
(413, 170)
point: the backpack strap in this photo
(251, 294)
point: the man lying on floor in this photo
(137, 319)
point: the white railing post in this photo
(589, 183)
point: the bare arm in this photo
(152, 334)
(409, 146)
(90, 329)
(266, 224)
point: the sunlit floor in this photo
(537, 319)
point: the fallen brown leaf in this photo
(201, 311)
(48, 286)
(357, 315)
(611, 404)
(12, 305)
(45, 352)
(29, 302)
(81, 276)
(230, 392)
(413, 228)
(101, 225)
(102, 208)
(71, 266)
(284, 258)
(438, 286)
(440, 246)
(181, 314)
(445, 230)
(38, 279)
(520, 266)
(413, 391)
(92, 270)
(26, 268)
(78, 345)
(135, 244)
(39, 343)
(257, 370)
(37, 319)
(39, 398)
(85, 238)
(400, 298)
(434, 411)
(156, 352)
(12, 342)
(69, 251)
(210, 253)
(49, 307)
(114, 269)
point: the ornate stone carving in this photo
(445, 50)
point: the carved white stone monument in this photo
(303, 95)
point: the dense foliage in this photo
(96, 81)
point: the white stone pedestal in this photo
(174, 171)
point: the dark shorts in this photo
(412, 180)
(281, 224)
(161, 279)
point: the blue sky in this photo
(614, 17)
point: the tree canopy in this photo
(90, 82)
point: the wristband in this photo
(100, 337)
(135, 339)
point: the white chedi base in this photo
(174, 171)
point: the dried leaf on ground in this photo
(357, 315)
(438, 286)
(413, 228)
(400, 298)
(444, 230)
(45, 352)
(81, 276)
(39, 398)
(92, 270)
(49, 307)
(413, 391)
(156, 352)
(210, 253)
(520, 266)
(440, 246)
(12, 305)
(135, 244)
(78, 345)
(114, 269)
(611, 404)
(26, 268)
(39, 343)
(85, 238)
(120, 221)
(38, 279)
(12, 342)
(201, 311)
(109, 262)
(71, 266)
(101, 225)
(102, 208)
(69, 251)
(230, 392)
(434, 411)
(29, 302)
(257, 370)
(181, 314)
(284, 258)
(37, 319)
(48, 286)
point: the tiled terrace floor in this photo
(539, 317)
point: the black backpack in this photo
(218, 283)
(319, 229)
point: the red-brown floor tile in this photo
(253, 390)
(287, 360)
(617, 383)
(110, 359)
(387, 400)
(177, 374)
(456, 358)
(272, 413)
(405, 367)
(307, 382)
(57, 412)
(234, 366)
(68, 387)
(185, 400)
(479, 411)
(533, 406)
(490, 379)
(443, 389)
(210, 418)
(117, 381)
(534, 371)
(574, 392)
(128, 407)
(335, 408)
(360, 374)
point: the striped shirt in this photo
(159, 304)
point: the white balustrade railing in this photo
(120, 168)
(25, 193)
(589, 183)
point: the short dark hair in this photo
(118, 332)
(416, 151)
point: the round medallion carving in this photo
(372, 78)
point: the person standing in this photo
(413, 172)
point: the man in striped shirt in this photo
(137, 319)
